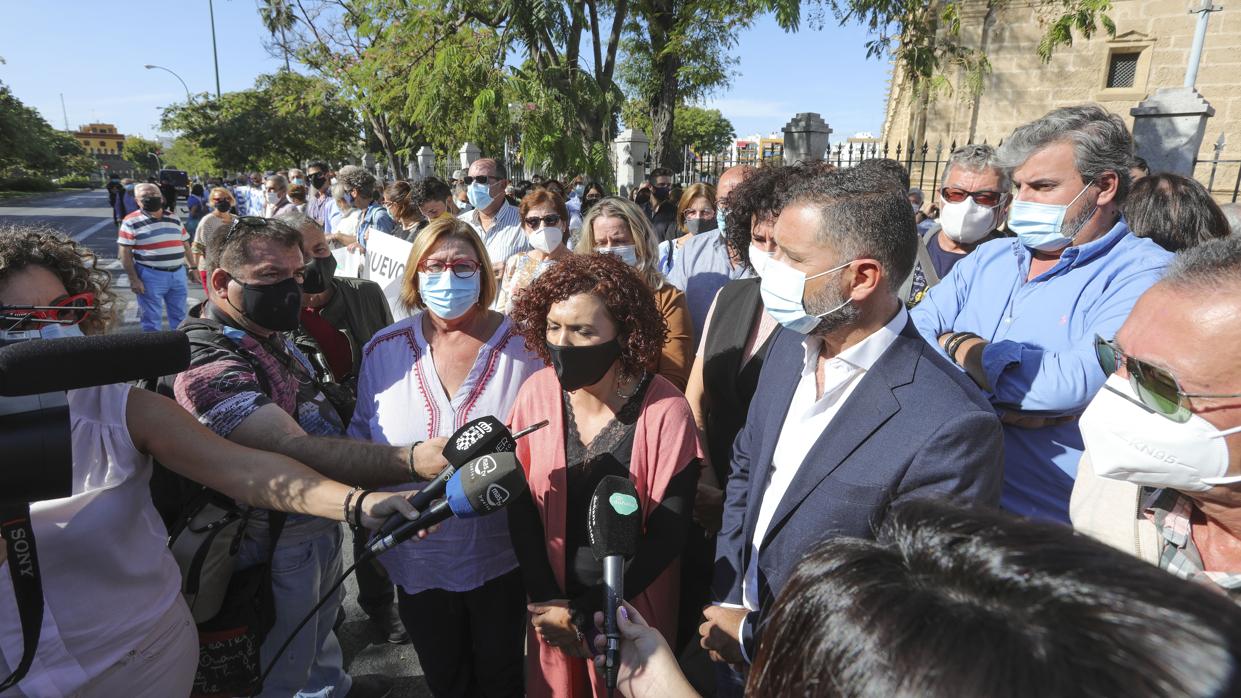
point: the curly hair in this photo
(630, 303)
(76, 267)
(761, 196)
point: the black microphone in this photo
(476, 438)
(613, 522)
(482, 486)
(46, 365)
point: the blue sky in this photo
(94, 53)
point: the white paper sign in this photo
(385, 265)
(349, 263)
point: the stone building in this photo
(1149, 51)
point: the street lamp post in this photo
(215, 56)
(178, 77)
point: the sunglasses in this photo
(1156, 387)
(461, 268)
(481, 179)
(549, 220)
(65, 310)
(251, 221)
(986, 197)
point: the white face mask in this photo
(1127, 441)
(547, 238)
(966, 221)
(628, 253)
(273, 198)
(759, 259)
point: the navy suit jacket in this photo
(914, 426)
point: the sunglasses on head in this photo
(65, 310)
(985, 197)
(252, 221)
(481, 179)
(549, 220)
(1158, 389)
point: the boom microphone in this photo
(482, 486)
(478, 437)
(613, 522)
(47, 365)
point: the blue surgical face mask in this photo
(347, 198)
(479, 195)
(448, 296)
(1041, 226)
(782, 288)
(627, 253)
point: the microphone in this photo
(47, 365)
(482, 486)
(478, 437)
(613, 522)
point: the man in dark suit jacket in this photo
(854, 412)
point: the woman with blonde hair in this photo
(695, 214)
(462, 600)
(220, 203)
(619, 227)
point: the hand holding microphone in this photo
(613, 522)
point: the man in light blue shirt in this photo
(705, 263)
(1020, 315)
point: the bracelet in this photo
(413, 474)
(349, 499)
(357, 508)
(954, 343)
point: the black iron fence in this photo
(1221, 176)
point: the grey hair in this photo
(281, 183)
(1233, 213)
(357, 178)
(1101, 143)
(862, 216)
(978, 158)
(917, 193)
(143, 186)
(499, 171)
(299, 221)
(338, 191)
(1208, 266)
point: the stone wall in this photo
(1022, 88)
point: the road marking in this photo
(79, 237)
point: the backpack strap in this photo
(924, 259)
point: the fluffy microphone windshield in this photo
(45, 365)
(614, 518)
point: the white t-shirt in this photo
(107, 574)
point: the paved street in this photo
(85, 217)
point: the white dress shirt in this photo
(505, 238)
(805, 422)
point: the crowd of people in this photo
(982, 443)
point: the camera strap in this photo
(18, 533)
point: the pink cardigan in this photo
(665, 442)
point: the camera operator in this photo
(114, 620)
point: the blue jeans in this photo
(162, 289)
(312, 666)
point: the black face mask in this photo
(661, 193)
(318, 274)
(222, 206)
(151, 204)
(317, 180)
(587, 203)
(275, 307)
(578, 367)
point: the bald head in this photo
(729, 181)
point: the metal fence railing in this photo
(1221, 176)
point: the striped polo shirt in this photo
(156, 242)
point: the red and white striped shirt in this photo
(156, 242)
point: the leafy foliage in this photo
(286, 118)
(702, 130)
(30, 146)
(137, 150)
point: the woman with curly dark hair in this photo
(595, 322)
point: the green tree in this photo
(185, 154)
(278, 19)
(286, 119)
(703, 130)
(30, 146)
(138, 150)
